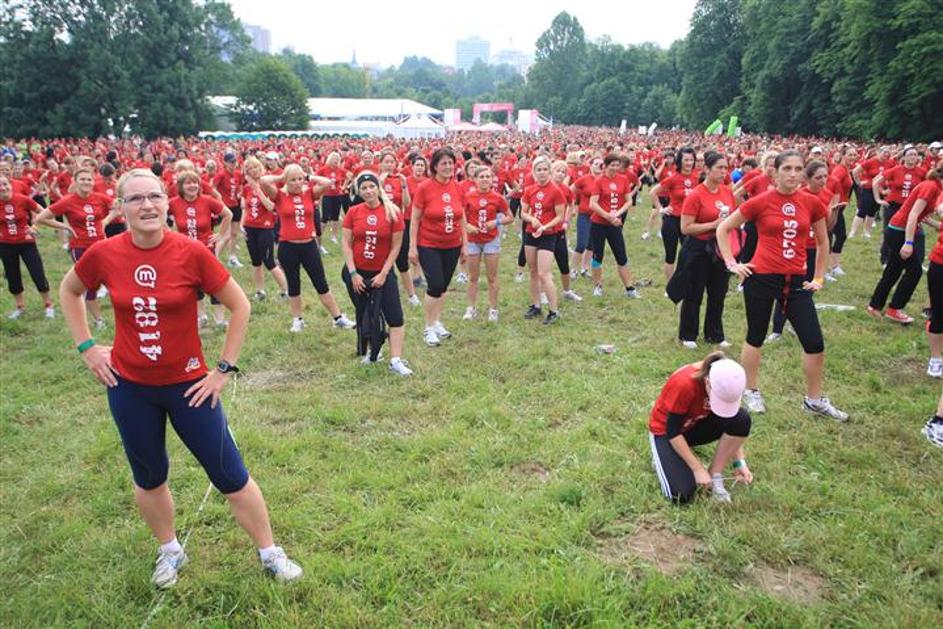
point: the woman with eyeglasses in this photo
(156, 367)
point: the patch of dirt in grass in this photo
(653, 543)
(795, 584)
(531, 469)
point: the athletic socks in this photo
(171, 547)
(266, 553)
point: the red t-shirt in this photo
(393, 186)
(612, 195)
(844, 182)
(63, 181)
(542, 201)
(255, 214)
(759, 184)
(677, 187)
(871, 168)
(900, 181)
(585, 188)
(22, 186)
(825, 196)
(480, 209)
(442, 211)
(373, 235)
(194, 219)
(928, 191)
(108, 188)
(517, 176)
(153, 292)
(337, 177)
(296, 215)
(17, 212)
(706, 206)
(85, 217)
(412, 184)
(682, 395)
(782, 223)
(228, 185)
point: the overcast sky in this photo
(385, 32)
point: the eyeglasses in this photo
(138, 199)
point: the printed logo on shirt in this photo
(446, 197)
(613, 186)
(192, 365)
(371, 219)
(723, 208)
(145, 275)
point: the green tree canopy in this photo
(271, 97)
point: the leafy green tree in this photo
(271, 97)
(554, 81)
(339, 80)
(306, 69)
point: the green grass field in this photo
(508, 483)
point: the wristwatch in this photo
(225, 367)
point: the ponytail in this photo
(704, 370)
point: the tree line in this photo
(857, 68)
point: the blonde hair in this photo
(540, 159)
(252, 162)
(136, 173)
(559, 164)
(292, 170)
(183, 164)
(392, 210)
(333, 156)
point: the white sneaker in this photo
(431, 338)
(935, 368)
(597, 291)
(260, 295)
(168, 565)
(773, 337)
(719, 493)
(334, 239)
(632, 293)
(571, 295)
(102, 292)
(413, 300)
(689, 344)
(202, 320)
(492, 315)
(543, 299)
(281, 567)
(470, 313)
(646, 235)
(324, 250)
(223, 323)
(725, 344)
(234, 262)
(344, 323)
(573, 274)
(16, 314)
(365, 360)
(461, 278)
(830, 278)
(297, 324)
(400, 367)
(100, 324)
(838, 271)
(822, 406)
(440, 330)
(519, 277)
(50, 312)
(933, 432)
(754, 401)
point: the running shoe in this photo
(574, 274)
(234, 262)
(724, 344)
(102, 292)
(16, 314)
(646, 235)
(838, 271)
(400, 367)
(933, 431)
(493, 315)
(719, 493)
(334, 239)
(689, 344)
(584, 274)
(365, 360)
(532, 312)
(413, 300)
(202, 320)
(260, 295)
(50, 312)
(431, 338)
(519, 277)
(324, 250)
(597, 291)
(100, 324)
(935, 368)
(571, 295)
(461, 278)
(470, 313)
(281, 567)
(829, 277)
(283, 295)
(632, 293)
(773, 337)
(874, 312)
(898, 316)
(822, 406)
(297, 324)
(754, 401)
(168, 565)
(552, 317)
(223, 323)
(344, 323)
(927, 313)
(440, 330)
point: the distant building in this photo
(467, 51)
(517, 59)
(261, 37)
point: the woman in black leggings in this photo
(18, 242)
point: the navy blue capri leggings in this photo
(141, 412)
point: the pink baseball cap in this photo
(727, 382)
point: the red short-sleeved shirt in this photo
(256, 215)
(194, 219)
(677, 187)
(517, 176)
(442, 211)
(228, 184)
(844, 182)
(85, 217)
(783, 223)
(412, 184)
(542, 201)
(706, 206)
(682, 395)
(928, 191)
(900, 181)
(393, 186)
(481, 209)
(373, 235)
(585, 188)
(153, 292)
(337, 177)
(16, 213)
(612, 195)
(296, 215)
(759, 184)
(871, 168)
(825, 196)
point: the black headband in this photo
(364, 177)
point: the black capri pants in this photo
(28, 252)
(402, 258)
(599, 235)
(671, 237)
(675, 477)
(935, 288)
(911, 269)
(292, 256)
(762, 291)
(867, 206)
(562, 254)
(889, 211)
(839, 233)
(438, 265)
(260, 241)
(750, 239)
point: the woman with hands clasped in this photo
(156, 368)
(776, 276)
